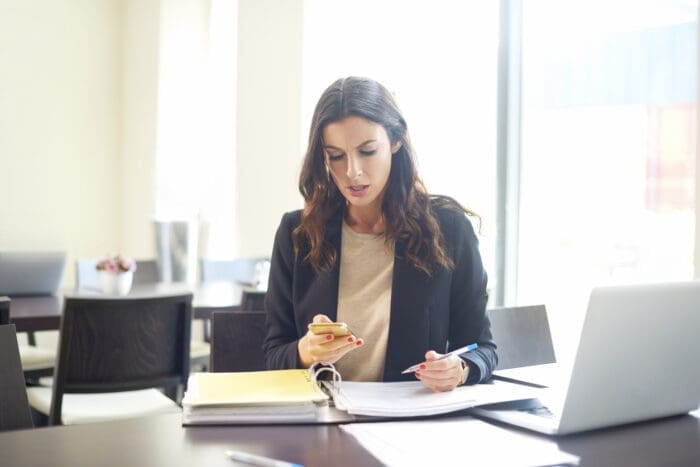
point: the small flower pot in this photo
(116, 283)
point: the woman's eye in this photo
(368, 152)
(335, 157)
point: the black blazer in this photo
(441, 313)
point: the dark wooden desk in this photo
(161, 441)
(667, 442)
(41, 313)
(36, 313)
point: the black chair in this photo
(522, 335)
(14, 408)
(236, 341)
(35, 361)
(147, 272)
(122, 346)
(252, 300)
(4, 310)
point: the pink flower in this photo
(117, 263)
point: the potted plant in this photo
(116, 274)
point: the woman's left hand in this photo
(440, 375)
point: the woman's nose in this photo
(354, 167)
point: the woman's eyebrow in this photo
(330, 146)
(367, 142)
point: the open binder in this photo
(299, 396)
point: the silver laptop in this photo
(638, 359)
(31, 273)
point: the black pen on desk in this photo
(459, 351)
(262, 461)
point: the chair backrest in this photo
(522, 336)
(146, 272)
(87, 277)
(126, 343)
(14, 407)
(4, 310)
(240, 270)
(236, 341)
(253, 300)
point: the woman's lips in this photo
(358, 190)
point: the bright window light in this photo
(439, 60)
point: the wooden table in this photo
(162, 441)
(40, 313)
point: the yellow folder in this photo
(277, 387)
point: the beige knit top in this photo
(364, 302)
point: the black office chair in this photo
(253, 300)
(87, 277)
(146, 272)
(14, 408)
(35, 361)
(522, 336)
(123, 346)
(236, 341)
(4, 310)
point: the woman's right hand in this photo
(325, 348)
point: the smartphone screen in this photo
(337, 329)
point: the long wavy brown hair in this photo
(407, 207)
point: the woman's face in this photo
(358, 155)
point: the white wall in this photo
(139, 122)
(269, 112)
(79, 116)
(60, 142)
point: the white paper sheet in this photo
(461, 442)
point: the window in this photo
(196, 162)
(607, 149)
(439, 59)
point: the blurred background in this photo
(569, 126)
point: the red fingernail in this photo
(417, 374)
(359, 342)
(422, 366)
(350, 339)
(329, 337)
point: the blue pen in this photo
(461, 350)
(262, 461)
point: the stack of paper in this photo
(413, 399)
(285, 396)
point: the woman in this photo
(373, 249)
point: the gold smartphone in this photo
(337, 329)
